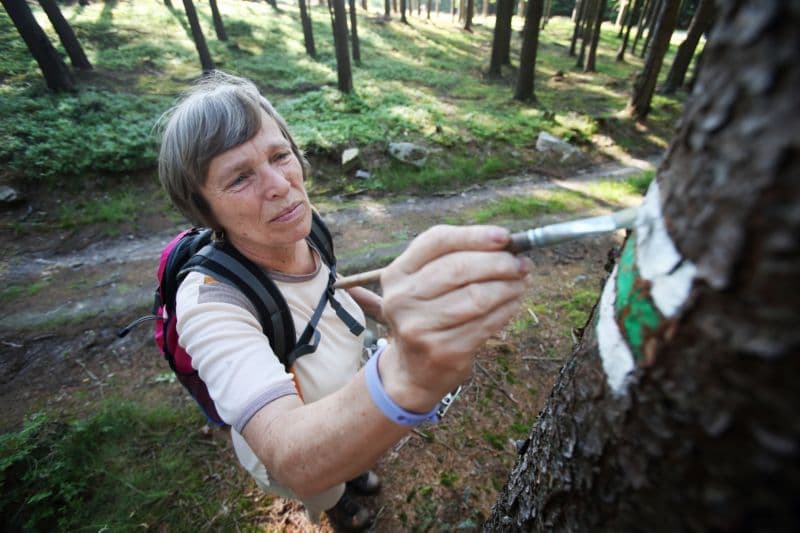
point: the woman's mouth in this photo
(290, 214)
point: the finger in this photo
(462, 306)
(457, 269)
(440, 240)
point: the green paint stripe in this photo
(634, 309)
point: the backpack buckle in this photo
(447, 401)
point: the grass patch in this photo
(617, 191)
(124, 465)
(112, 208)
(542, 203)
(15, 292)
(579, 305)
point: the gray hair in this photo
(218, 113)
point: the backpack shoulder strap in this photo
(224, 263)
(321, 238)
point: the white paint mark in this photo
(614, 351)
(657, 259)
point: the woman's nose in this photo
(273, 182)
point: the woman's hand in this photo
(452, 289)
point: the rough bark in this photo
(65, 34)
(354, 32)
(56, 73)
(501, 41)
(645, 85)
(197, 36)
(219, 27)
(598, 24)
(527, 55)
(702, 434)
(701, 22)
(308, 29)
(339, 24)
(634, 12)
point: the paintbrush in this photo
(532, 238)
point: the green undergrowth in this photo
(422, 82)
(125, 467)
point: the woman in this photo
(229, 162)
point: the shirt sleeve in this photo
(217, 326)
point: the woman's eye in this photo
(281, 156)
(238, 180)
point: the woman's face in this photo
(256, 192)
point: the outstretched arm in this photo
(452, 289)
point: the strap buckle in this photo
(447, 401)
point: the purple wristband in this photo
(388, 407)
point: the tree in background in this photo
(578, 14)
(403, 18)
(644, 18)
(501, 40)
(587, 28)
(527, 54)
(74, 49)
(354, 32)
(219, 27)
(387, 9)
(339, 24)
(645, 84)
(651, 26)
(198, 37)
(633, 13)
(677, 411)
(468, 16)
(308, 30)
(701, 23)
(597, 26)
(56, 73)
(546, 10)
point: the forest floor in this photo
(69, 291)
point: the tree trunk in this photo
(354, 33)
(403, 18)
(274, 4)
(219, 27)
(468, 15)
(527, 55)
(56, 73)
(622, 14)
(501, 41)
(485, 9)
(308, 29)
(644, 87)
(579, 13)
(339, 24)
(197, 35)
(634, 11)
(74, 49)
(587, 24)
(701, 22)
(598, 23)
(651, 26)
(678, 411)
(387, 9)
(548, 7)
(644, 16)
(364, 5)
